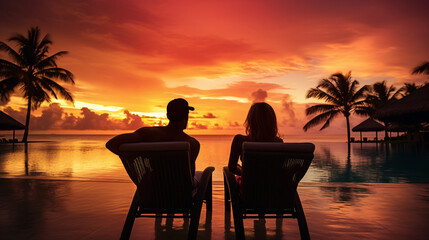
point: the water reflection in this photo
(86, 157)
(68, 159)
(259, 228)
(171, 231)
(343, 194)
(371, 163)
(26, 203)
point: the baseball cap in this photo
(178, 109)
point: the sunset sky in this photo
(130, 58)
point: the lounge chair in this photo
(270, 176)
(162, 174)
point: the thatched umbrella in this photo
(397, 127)
(369, 125)
(413, 108)
(400, 127)
(8, 123)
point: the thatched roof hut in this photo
(8, 123)
(413, 108)
(397, 127)
(369, 125)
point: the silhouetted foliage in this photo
(408, 88)
(379, 95)
(33, 72)
(423, 68)
(342, 96)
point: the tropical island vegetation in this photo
(33, 72)
(342, 96)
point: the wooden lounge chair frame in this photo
(165, 185)
(270, 176)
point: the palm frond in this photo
(41, 97)
(319, 119)
(12, 53)
(8, 69)
(343, 84)
(319, 108)
(46, 40)
(364, 110)
(330, 88)
(423, 68)
(20, 39)
(64, 93)
(351, 91)
(332, 115)
(361, 103)
(58, 73)
(320, 94)
(361, 93)
(50, 61)
(7, 87)
(397, 93)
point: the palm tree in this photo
(339, 91)
(409, 88)
(423, 68)
(33, 72)
(379, 96)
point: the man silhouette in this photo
(177, 114)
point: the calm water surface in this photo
(84, 157)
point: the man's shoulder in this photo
(192, 140)
(149, 133)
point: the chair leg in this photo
(226, 195)
(195, 221)
(209, 196)
(238, 224)
(129, 222)
(302, 222)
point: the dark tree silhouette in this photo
(342, 96)
(380, 95)
(408, 88)
(33, 72)
(423, 68)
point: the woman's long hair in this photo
(261, 123)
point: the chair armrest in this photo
(202, 186)
(232, 187)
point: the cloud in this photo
(133, 121)
(259, 95)
(234, 124)
(54, 117)
(195, 125)
(289, 110)
(209, 115)
(238, 90)
(51, 118)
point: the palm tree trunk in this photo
(348, 129)
(27, 121)
(386, 135)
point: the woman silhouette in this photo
(261, 126)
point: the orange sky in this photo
(131, 57)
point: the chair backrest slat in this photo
(271, 173)
(161, 172)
